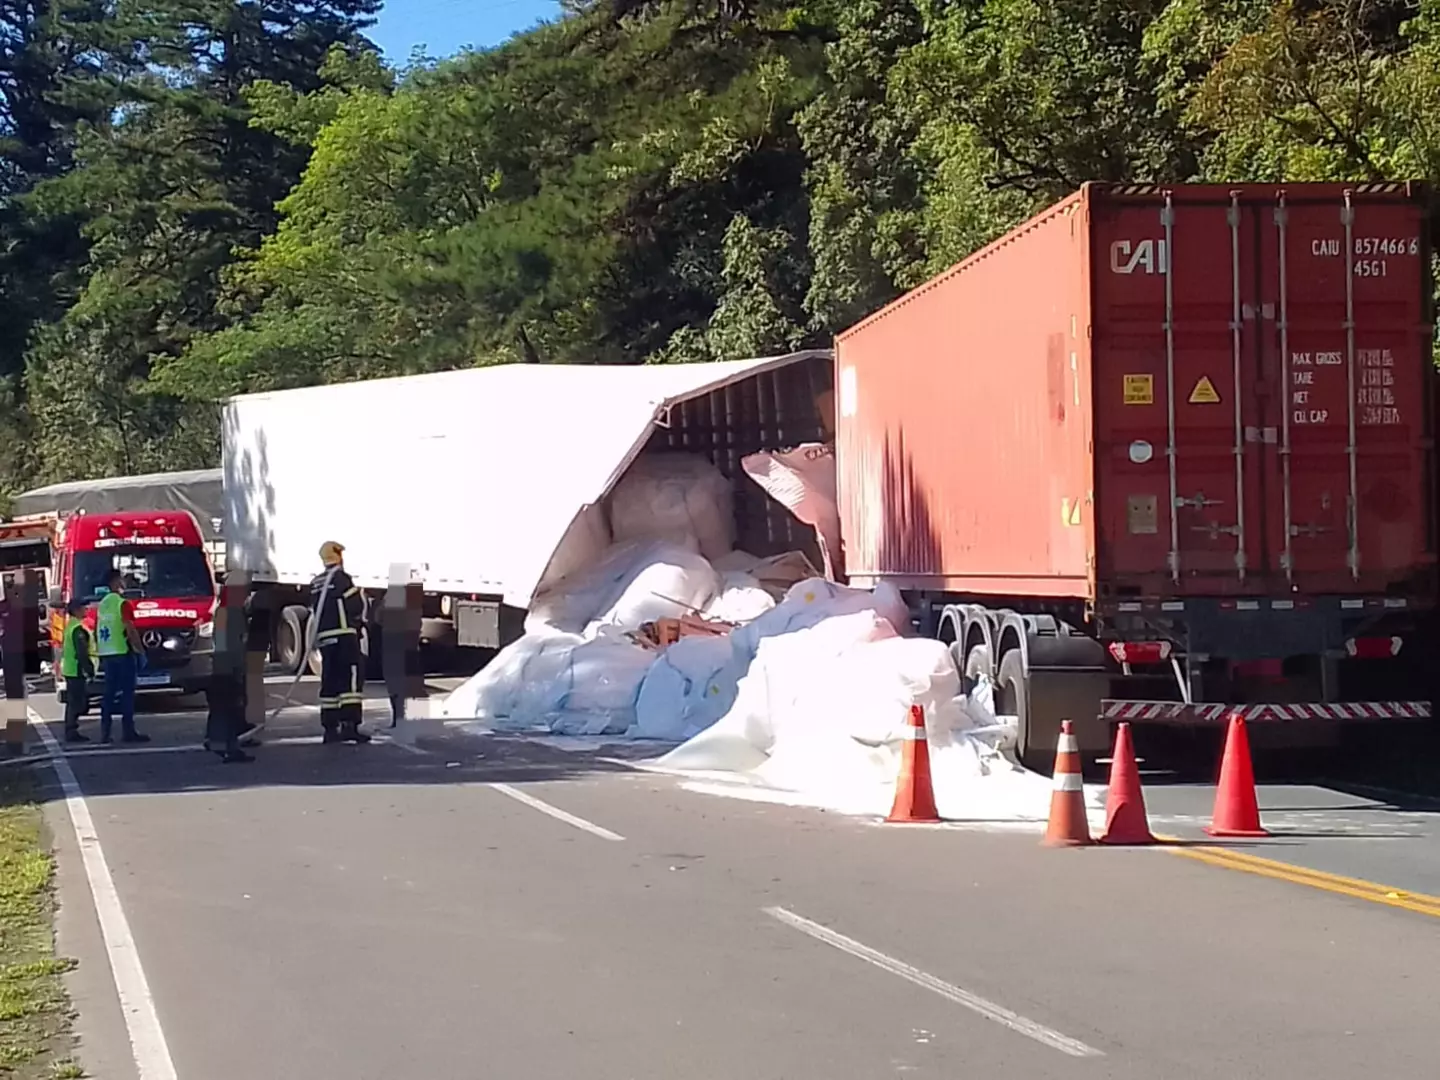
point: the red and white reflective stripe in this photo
(1067, 744)
(1142, 710)
(1209, 711)
(1069, 781)
(912, 734)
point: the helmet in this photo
(330, 552)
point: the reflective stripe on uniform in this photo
(344, 631)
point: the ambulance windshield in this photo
(150, 574)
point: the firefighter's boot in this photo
(350, 732)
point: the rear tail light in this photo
(1140, 652)
(1373, 648)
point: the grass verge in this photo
(35, 1039)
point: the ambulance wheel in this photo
(290, 638)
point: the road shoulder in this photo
(35, 1025)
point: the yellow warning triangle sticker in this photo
(1204, 392)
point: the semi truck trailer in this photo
(1160, 454)
(485, 484)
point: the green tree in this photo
(168, 185)
(566, 197)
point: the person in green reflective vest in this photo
(77, 669)
(118, 644)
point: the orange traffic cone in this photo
(914, 794)
(1237, 813)
(1068, 825)
(1125, 819)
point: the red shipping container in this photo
(1060, 417)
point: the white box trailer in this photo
(474, 478)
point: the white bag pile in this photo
(575, 671)
(820, 711)
(678, 498)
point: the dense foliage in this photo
(201, 197)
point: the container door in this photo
(1352, 364)
(1182, 444)
(1219, 396)
(1264, 391)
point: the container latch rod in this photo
(1352, 509)
(1167, 219)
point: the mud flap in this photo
(1065, 693)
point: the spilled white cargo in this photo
(802, 700)
(806, 704)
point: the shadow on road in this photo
(291, 755)
(290, 762)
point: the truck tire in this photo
(1013, 697)
(314, 663)
(290, 638)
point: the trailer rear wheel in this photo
(1012, 698)
(290, 638)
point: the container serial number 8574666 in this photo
(1367, 247)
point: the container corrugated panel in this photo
(963, 422)
(1272, 344)
(777, 409)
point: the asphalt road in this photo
(388, 912)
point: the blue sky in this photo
(446, 26)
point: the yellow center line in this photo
(1357, 888)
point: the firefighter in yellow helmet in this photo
(337, 611)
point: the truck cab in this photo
(168, 578)
(28, 545)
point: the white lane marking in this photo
(974, 1002)
(555, 812)
(147, 1038)
(102, 751)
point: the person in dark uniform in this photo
(337, 611)
(257, 648)
(225, 725)
(400, 642)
